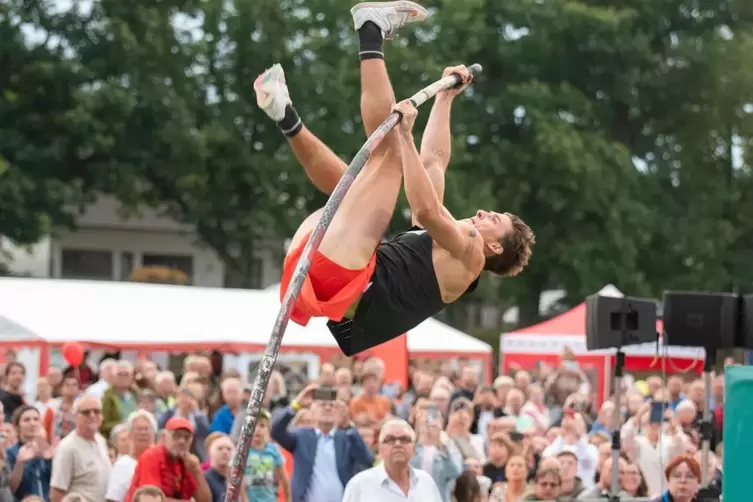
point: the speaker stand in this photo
(616, 420)
(707, 425)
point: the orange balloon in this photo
(73, 353)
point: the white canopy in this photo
(131, 314)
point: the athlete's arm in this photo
(436, 144)
(423, 200)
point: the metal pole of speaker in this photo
(616, 420)
(706, 423)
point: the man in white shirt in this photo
(106, 375)
(574, 438)
(652, 445)
(394, 479)
(142, 433)
(81, 464)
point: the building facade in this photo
(108, 245)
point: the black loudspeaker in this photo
(745, 338)
(708, 320)
(618, 322)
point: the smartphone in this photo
(432, 414)
(325, 393)
(516, 437)
(657, 412)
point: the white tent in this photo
(162, 317)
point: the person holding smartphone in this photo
(434, 453)
(644, 442)
(325, 457)
(574, 436)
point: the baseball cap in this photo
(177, 424)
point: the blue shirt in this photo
(36, 477)
(261, 473)
(223, 421)
(217, 485)
(325, 482)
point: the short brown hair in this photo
(683, 459)
(148, 490)
(14, 364)
(504, 440)
(18, 412)
(516, 250)
(211, 438)
(543, 473)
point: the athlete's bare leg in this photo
(323, 167)
(365, 212)
(362, 220)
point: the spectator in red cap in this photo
(171, 466)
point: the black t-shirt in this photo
(403, 292)
(11, 402)
(495, 473)
(216, 482)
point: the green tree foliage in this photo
(619, 131)
(577, 96)
(51, 140)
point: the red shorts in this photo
(329, 290)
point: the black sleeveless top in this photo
(402, 294)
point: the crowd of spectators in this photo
(124, 431)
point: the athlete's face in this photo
(492, 227)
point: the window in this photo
(86, 264)
(183, 263)
(126, 265)
(236, 279)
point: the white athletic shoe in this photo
(272, 94)
(389, 16)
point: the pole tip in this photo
(475, 69)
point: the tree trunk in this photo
(529, 301)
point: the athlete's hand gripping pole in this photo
(253, 409)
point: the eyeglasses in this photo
(90, 412)
(688, 476)
(397, 440)
(181, 434)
